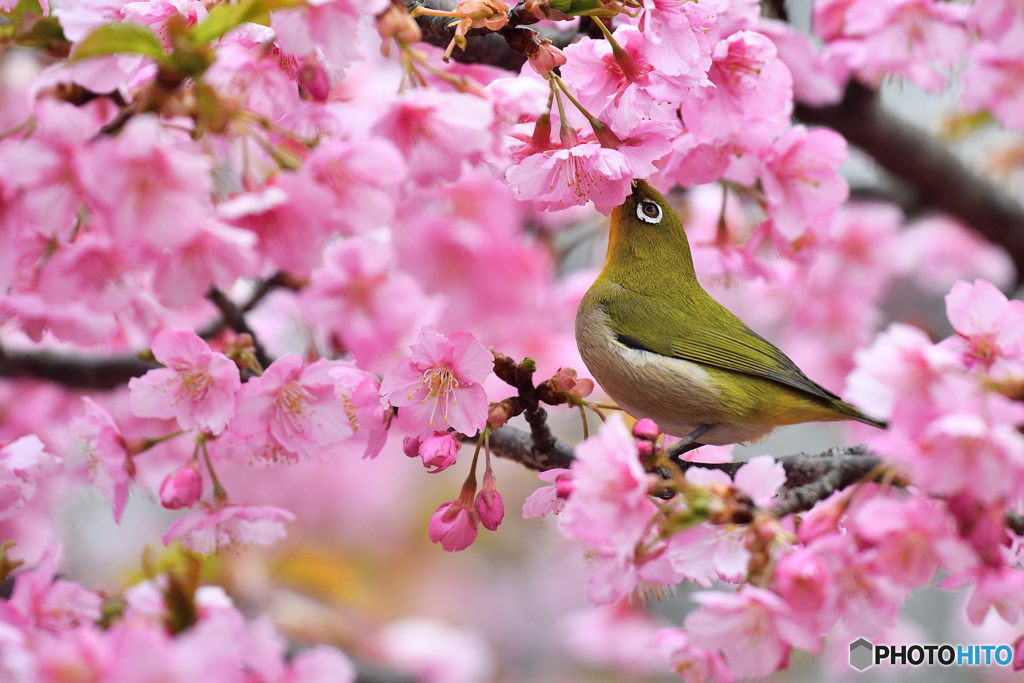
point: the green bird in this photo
(663, 349)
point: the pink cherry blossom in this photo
(993, 82)
(327, 29)
(436, 652)
(750, 84)
(611, 512)
(293, 411)
(801, 179)
(23, 463)
(912, 536)
(622, 88)
(109, 464)
(42, 601)
(864, 596)
(216, 256)
(589, 171)
(454, 525)
(247, 77)
(49, 167)
(998, 21)
(618, 637)
(802, 581)
(369, 307)
(231, 526)
(989, 329)
(819, 78)
(197, 387)
(1001, 589)
(707, 552)
(610, 507)
(362, 174)
(953, 252)
(903, 361)
(910, 38)
(760, 478)
(549, 499)
(359, 392)
(675, 36)
(692, 663)
(439, 386)
(753, 628)
(181, 489)
(291, 218)
(146, 184)
(419, 124)
(155, 15)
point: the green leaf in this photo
(225, 17)
(572, 7)
(112, 39)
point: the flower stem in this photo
(220, 496)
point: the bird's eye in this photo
(648, 211)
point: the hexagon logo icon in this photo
(861, 654)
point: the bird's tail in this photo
(855, 414)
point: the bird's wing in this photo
(729, 344)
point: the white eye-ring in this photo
(648, 211)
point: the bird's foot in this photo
(684, 445)
(687, 443)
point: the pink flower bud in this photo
(646, 429)
(546, 58)
(439, 451)
(181, 489)
(411, 446)
(489, 506)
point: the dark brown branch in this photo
(921, 160)
(502, 48)
(517, 445)
(77, 372)
(1015, 522)
(234, 317)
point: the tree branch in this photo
(921, 160)
(77, 372)
(502, 48)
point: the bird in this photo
(662, 348)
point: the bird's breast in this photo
(677, 394)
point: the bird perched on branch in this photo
(662, 348)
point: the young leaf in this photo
(225, 17)
(112, 39)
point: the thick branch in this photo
(484, 46)
(920, 159)
(77, 372)
(517, 445)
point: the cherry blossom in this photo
(293, 411)
(197, 387)
(440, 384)
(109, 463)
(23, 463)
(229, 527)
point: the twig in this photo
(235, 319)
